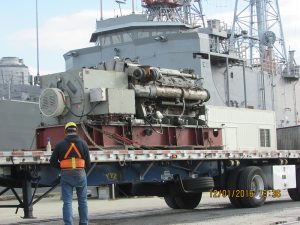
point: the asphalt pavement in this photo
(153, 211)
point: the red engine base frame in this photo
(110, 136)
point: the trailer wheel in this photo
(294, 193)
(188, 201)
(199, 184)
(170, 200)
(232, 185)
(253, 179)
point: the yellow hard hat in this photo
(70, 124)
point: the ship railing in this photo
(270, 66)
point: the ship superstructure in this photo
(19, 110)
(174, 34)
(16, 83)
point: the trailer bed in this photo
(42, 157)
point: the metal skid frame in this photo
(116, 136)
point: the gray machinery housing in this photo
(119, 90)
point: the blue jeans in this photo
(69, 180)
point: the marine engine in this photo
(120, 91)
(160, 107)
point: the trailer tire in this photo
(294, 193)
(199, 184)
(232, 185)
(170, 201)
(252, 178)
(188, 201)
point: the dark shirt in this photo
(62, 147)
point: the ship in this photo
(243, 67)
(16, 83)
(19, 109)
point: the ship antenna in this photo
(101, 10)
(133, 10)
(120, 2)
(37, 42)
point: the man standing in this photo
(71, 155)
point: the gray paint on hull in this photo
(18, 123)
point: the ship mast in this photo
(37, 43)
(189, 12)
(119, 2)
(257, 34)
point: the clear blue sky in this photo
(68, 24)
(19, 15)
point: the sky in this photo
(68, 24)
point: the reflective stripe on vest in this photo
(73, 162)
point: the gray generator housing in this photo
(92, 92)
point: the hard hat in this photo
(70, 124)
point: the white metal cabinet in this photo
(280, 177)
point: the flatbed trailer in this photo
(150, 134)
(141, 172)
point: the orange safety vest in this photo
(72, 163)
